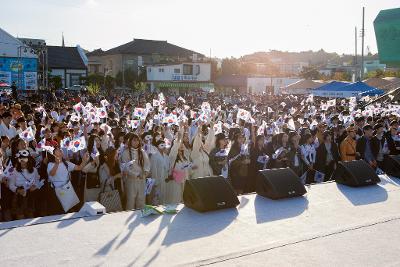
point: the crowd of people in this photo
(57, 155)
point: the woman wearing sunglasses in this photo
(24, 184)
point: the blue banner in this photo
(13, 69)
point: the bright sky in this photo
(227, 27)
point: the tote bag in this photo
(67, 196)
(110, 199)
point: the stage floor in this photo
(333, 225)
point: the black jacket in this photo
(320, 161)
(362, 142)
(392, 144)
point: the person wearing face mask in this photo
(159, 169)
(25, 184)
(348, 146)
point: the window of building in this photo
(161, 70)
(197, 69)
(149, 69)
(177, 70)
(187, 69)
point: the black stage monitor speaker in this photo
(279, 183)
(209, 193)
(355, 173)
(392, 165)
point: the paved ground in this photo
(333, 225)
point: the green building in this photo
(387, 32)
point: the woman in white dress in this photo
(135, 166)
(159, 171)
(200, 152)
(180, 166)
(24, 183)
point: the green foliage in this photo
(310, 73)
(130, 77)
(55, 82)
(341, 76)
(381, 74)
(93, 89)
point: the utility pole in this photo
(362, 45)
(355, 52)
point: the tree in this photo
(55, 82)
(130, 77)
(230, 66)
(93, 89)
(310, 73)
(341, 76)
(215, 71)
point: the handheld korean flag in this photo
(104, 103)
(170, 119)
(161, 98)
(27, 135)
(261, 129)
(78, 107)
(331, 103)
(9, 171)
(78, 144)
(101, 113)
(66, 143)
(134, 124)
(242, 115)
(93, 117)
(140, 113)
(156, 103)
(310, 99)
(75, 117)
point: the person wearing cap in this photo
(348, 145)
(364, 146)
(6, 129)
(379, 145)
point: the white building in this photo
(180, 76)
(273, 85)
(18, 63)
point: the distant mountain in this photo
(311, 57)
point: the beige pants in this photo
(134, 189)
